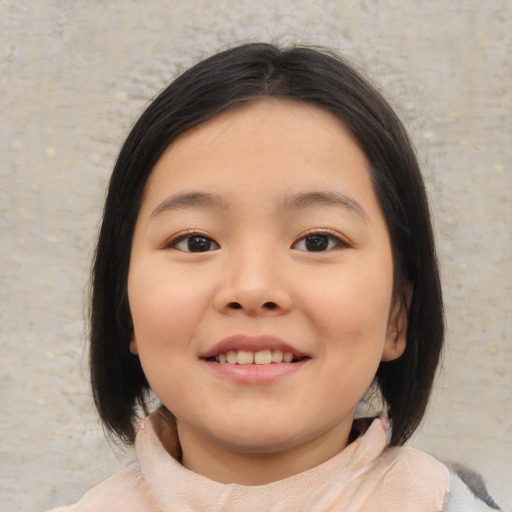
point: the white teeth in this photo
(277, 356)
(263, 357)
(287, 357)
(245, 357)
(266, 356)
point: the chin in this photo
(261, 438)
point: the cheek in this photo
(351, 314)
(164, 306)
(352, 302)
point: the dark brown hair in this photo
(228, 79)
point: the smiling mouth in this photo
(260, 357)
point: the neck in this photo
(227, 464)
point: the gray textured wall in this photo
(74, 75)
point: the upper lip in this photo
(251, 344)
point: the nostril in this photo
(269, 306)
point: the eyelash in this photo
(189, 235)
(331, 236)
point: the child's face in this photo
(259, 231)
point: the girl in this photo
(265, 264)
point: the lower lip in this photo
(255, 373)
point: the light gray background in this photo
(75, 75)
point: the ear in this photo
(396, 335)
(133, 345)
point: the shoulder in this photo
(457, 491)
(421, 469)
(412, 480)
(124, 492)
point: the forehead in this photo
(283, 142)
(267, 116)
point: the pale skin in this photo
(263, 225)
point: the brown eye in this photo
(318, 242)
(195, 243)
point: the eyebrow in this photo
(300, 200)
(190, 199)
(321, 198)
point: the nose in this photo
(253, 285)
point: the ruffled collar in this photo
(365, 476)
